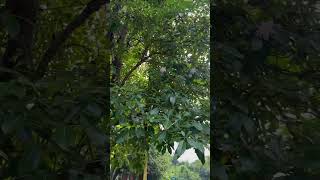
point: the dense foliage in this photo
(53, 92)
(265, 98)
(160, 76)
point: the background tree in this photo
(167, 169)
(54, 59)
(265, 81)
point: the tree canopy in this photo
(160, 76)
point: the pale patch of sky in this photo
(189, 155)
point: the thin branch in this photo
(61, 37)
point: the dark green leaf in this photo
(172, 100)
(196, 145)
(180, 149)
(200, 155)
(197, 125)
(162, 136)
(9, 125)
(154, 111)
(140, 132)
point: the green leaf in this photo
(172, 100)
(140, 132)
(162, 136)
(163, 150)
(154, 111)
(169, 149)
(206, 129)
(197, 125)
(120, 140)
(200, 155)
(196, 144)
(180, 149)
(167, 124)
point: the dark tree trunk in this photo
(120, 38)
(117, 59)
(117, 65)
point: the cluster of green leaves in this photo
(127, 136)
(265, 89)
(48, 131)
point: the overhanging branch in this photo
(61, 37)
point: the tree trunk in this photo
(118, 39)
(117, 59)
(145, 172)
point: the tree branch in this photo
(61, 37)
(143, 59)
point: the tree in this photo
(160, 78)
